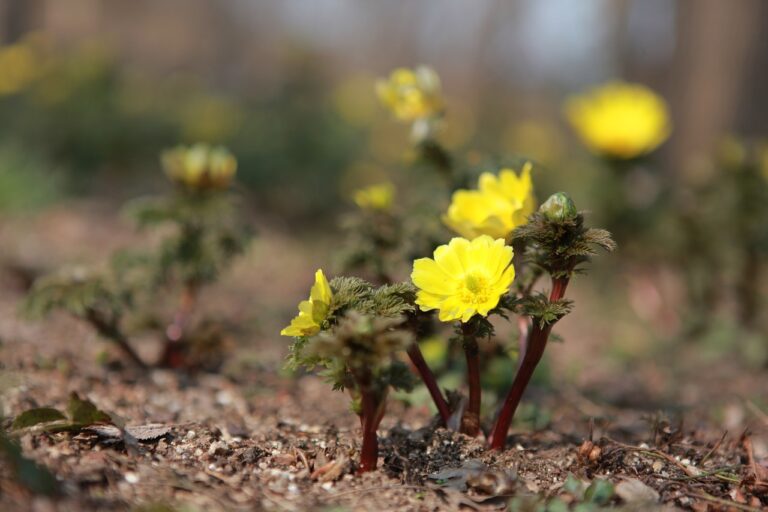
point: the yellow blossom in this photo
(465, 278)
(500, 204)
(20, 65)
(375, 197)
(620, 120)
(200, 167)
(411, 94)
(312, 312)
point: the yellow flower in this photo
(619, 120)
(312, 312)
(411, 94)
(199, 167)
(375, 197)
(500, 204)
(464, 278)
(20, 64)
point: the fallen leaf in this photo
(331, 471)
(475, 475)
(84, 412)
(34, 417)
(149, 432)
(756, 479)
(633, 490)
(456, 478)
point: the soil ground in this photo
(253, 438)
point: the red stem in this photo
(524, 326)
(537, 342)
(187, 301)
(470, 422)
(373, 412)
(417, 358)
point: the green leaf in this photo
(599, 492)
(574, 486)
(29, 474)
(587, 506)
(557, 505)
(36, 416)
(83, 412)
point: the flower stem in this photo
(537, 342)
(175, 331)
(524, 326)
(470, 422)
(417, 358)
(173, 356)
(372, 413)
(438, 157)
(112, 332)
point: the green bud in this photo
(558, 207)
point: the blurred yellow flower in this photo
(20, 65)
(375, 197)
(200, 167)
(465, 278)
(411, 94)
(619, 120)
(312, 312)
(500, 204)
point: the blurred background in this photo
(91, 91)
(107, 84)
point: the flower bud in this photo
(558, 207)
(199, 167)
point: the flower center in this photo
(474, 289)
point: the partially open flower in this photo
(375, 197)
(501, 203)
(465, 278)
(619, 120)
(411, 94)
(312, 312)
(200, 167)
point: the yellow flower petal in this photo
(619, 120)
(465, 278)
(411, 94)
(500, 204)
(313, 312)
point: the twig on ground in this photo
(714, 449)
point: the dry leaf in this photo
(633, 490)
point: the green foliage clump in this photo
(355, 297)
(207, 234)
(559, 244)
(83, 293)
